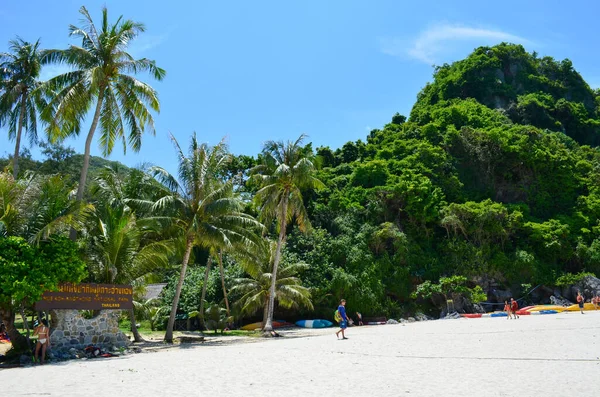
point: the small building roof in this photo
(153, 290)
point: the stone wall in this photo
(70, 330)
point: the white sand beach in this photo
(551, 355)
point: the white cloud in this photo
(443, 38)
(145, 43)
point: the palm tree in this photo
(19, 92)
(100, 75)
(202, 205)
(34, 208)
(256, 289)
(121, 249)
(287, 168)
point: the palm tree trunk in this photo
(282, 225)
(136, 334)
(202, 298)
(86, 155)
(223, 281)
(265, 313)
(19, 131)
(186, 258)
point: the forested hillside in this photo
(493, 182)
(59, 159)
(491, 177)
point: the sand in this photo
(551, 355)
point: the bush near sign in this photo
(87, 297)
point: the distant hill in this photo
(530, 90)
(495, 176)
(63, 160)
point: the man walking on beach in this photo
(344, 322)
(580, 301)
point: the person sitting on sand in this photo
(344, 322)
(359, 317)
(507, 310)
(43, 333)
(514, 306)
(580, 301)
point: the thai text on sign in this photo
(87, 297)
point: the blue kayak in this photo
(314, 323)
(500, 314)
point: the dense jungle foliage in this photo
(494, 177)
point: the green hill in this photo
(63, 160)
(487, 179)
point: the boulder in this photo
(422, 317)
(451, 316)
(411, 319)
(589, 287)
(559, 301)
(392, 321)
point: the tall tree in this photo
(202, 205)
(19, 92)
(121, 246)
(101, 76)
(34, 208)
(286, 169)
(256, 288)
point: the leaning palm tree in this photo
(202, 206)
(240, 244)
(256, 289)
(101, 77)
(20, 101)
(287, 168)
(120, 245)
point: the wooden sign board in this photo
(87, 297)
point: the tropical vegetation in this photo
(492, 182)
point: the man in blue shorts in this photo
(345, 320)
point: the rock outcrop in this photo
(70, 330)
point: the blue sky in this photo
(253, 71)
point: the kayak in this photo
(314, 323)
(258, 325)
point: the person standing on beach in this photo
(345, 320)
(514, 307)
(580, 301)
(43, 333)
(507, 310)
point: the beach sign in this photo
(87, 297)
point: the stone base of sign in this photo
(70, 330)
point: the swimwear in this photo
(42, 341)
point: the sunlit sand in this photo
(552, 355)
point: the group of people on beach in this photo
(594, 301)
(511, 309)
